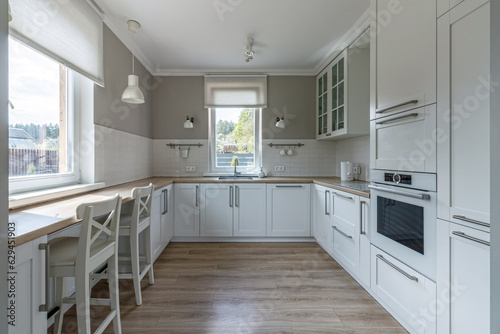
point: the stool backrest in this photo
(143, 198)
(99, 219)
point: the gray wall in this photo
(178, 97)
(109, 110)
(4, 158)
(495, 166)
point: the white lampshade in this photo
(280, 123)
(188, 124)
(132, 93)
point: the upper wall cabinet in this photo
(403, 56)
(444, 6)
(343, 93)
(464, 114)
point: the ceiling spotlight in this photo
(249, 53)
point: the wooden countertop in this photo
(40, 219)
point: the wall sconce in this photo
(280, 122)
(188, 124)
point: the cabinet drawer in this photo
(346, 211)
(405, 292)
(405, 141)
(346, 249)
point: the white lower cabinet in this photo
(162, 223)
(228, 210)
(408, 295)
(364, 242)
(322, 200)
(346, 250)
(289, 210)
(27, 290)
(216, 211)
(187, 210)
(463, 279)
(249, 214)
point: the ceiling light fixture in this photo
(280, 122)
(249, 53)
(188, 124)
(132, 93)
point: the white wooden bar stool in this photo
(79, 257)
(132, 225)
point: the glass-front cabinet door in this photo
(338, 70)
(322, 104)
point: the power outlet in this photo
(279, 168)
(191, 169)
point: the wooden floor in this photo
(246, 288)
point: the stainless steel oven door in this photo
(404, 225)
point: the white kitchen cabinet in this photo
(249, 214)
(343, 93)
(364, 242)
(403, 56)
(289, 210)
(444, 6)
(346, 212)
(322, 217)
(464, 114)
(187, 210)
(346, 249)
(28, 289)
(409, 296)
(405, 141)
(463, 279)
(161, 220)
(216, 211)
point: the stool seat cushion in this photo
(63, 250)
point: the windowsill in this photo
(38, 196)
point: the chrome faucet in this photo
(236, 164)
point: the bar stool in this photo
(132, 225)
(80, 257)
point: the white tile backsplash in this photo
(316, 158)
(121, 157)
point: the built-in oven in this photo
(403, 213)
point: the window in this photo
(41, 121)
(235, 133)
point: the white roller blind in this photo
(68, 31)
(236, 91)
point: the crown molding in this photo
(202, 72)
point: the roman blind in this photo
(232, 91)
(69, 32)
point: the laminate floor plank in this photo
(268, 288)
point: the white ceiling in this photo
(200, 36)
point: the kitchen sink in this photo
(235, 178)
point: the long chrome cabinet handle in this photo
(288, 186)
(466, 236)
(362, 230)
(397, 118)
(46, 248)
(166, 200)
(399, 192)
(230, 196)
(465, 219)
(164, 191)
(383, 110)
(392, 265)
(344, 234)
(340, 195)
(196, 196)
(326, 203)
(237, 196)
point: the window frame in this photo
(212, 146)
(21, 184)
